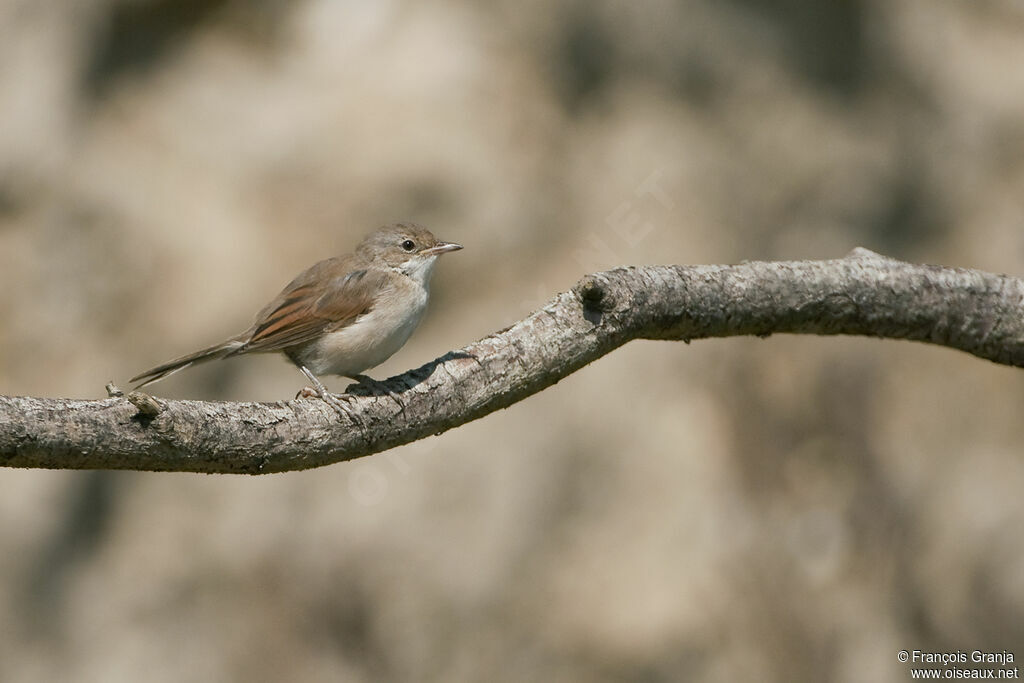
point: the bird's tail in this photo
(170, 367)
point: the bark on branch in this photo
(862, 294)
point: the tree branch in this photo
(862, 294)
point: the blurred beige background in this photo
(777, 510)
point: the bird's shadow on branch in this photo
(399, 384)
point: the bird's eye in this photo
(408, 245)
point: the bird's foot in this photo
(318, 390)
(339, 407)
(307, 392)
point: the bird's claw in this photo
(318, 390)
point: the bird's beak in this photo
(441, 248)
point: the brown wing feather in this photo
(319, 300)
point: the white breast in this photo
(372, 338)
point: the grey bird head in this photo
(408, 247)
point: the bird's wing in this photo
(315, 303)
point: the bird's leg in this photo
(320, 391)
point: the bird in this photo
(341, 316)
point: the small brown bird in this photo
(343, 315)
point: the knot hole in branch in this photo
(593, 294)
